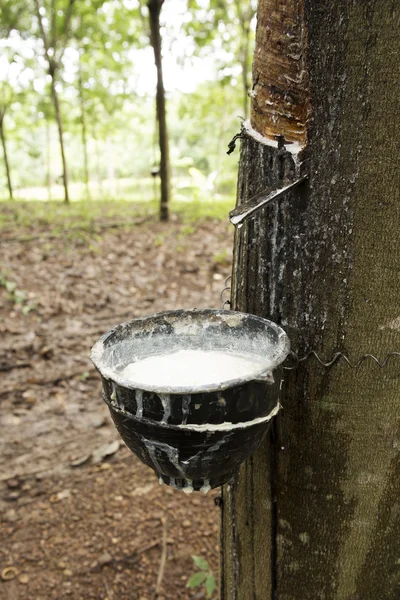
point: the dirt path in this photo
(76, 523)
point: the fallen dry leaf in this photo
(106, 450)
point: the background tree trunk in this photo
(154, 15)
(48, 160)
(97, 152)
(50, 43)
(314, 514)
(84, 135)
(245, 14)
(112, 185)
(6, 162)
(60, 129)
(245, 69)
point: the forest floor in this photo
(80, 516)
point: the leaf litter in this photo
(80, 494)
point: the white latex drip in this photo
(139, 403)
(192, 368)
(188, 489)
(185, 408)
(171, 452)
(166, 403)
(206, 487)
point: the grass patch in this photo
(60, 219)
(18, 297)
(193, 211)
(222, 258)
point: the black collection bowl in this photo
(193, 437)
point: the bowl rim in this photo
(283, 349)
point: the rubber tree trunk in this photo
(84, 136)
(154, 16)
(97, 153)
(111, 179)
(53, 68)
(6, 162)
(48, 160)
(314, 514)
(56, 103)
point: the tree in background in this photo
(11, 15)
(314, 513)
(226, 26)
(218, 169)
(106, 99)
(45, 112)
(245, 12)
(154, 7)
(55, 37)
(104, 65)
(16, 72)
(4, 102)
(84, 129)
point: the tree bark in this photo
(60, 129)
(52, 65)
(245, 15)
(6, 162)
(314, 513)
(154, 16)
(98, 169)
(84, 136)
(112, 187)
(245, 69)
(48, 159)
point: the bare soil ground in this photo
(80, 516)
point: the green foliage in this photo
(159, 240)
(84, 376)
(99, 47)
(204, 576)
(210, 585)
(187, 230)
(226, 23)
(192, 212)
(222, 257)
(196, 579)
(18, 297)
(14, 15)
(201, 562)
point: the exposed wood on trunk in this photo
(154, 15)
(315, 513)
(280, 103)
(5, 154)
